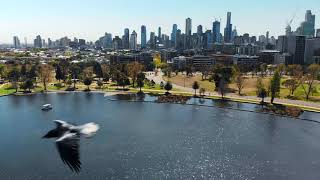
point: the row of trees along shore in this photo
(27, 75)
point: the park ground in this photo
(183, 84)
(249, 87)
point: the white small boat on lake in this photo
(46, 107)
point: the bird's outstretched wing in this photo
(60, 123)
(68, 147)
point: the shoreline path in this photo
(159, 78)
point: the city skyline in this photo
(58, 19)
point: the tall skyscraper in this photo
(282, 44)
(312, 45)
(143, 37)
(267, 37)
(106, 41)
(50, 44)
(199, 30)
(228, 29)
(179, 40)
(208, 39)
(125, 38)
(234, 34)
(188, 27)
(159, 35)
(307, 27)
(38, 42)
(296, 47)
(187, 38)
(117, 43)
(152, 40)
(133, 41)
(174, 35)
(16, 42)
(216, 32)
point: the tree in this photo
(59, 74)
(152, 83)
(222, 77)
(261, 90)
(27, 84)
(188, 70)
(167, 71)
(275, 85)
(2, 70)
(140, 80)
(105, 72)
(263, 69)
(281, 68)
(292, 85)
(45, 75)
(295, 71)
(87, 81)
(161, 85)
(262, 94)
(123, 80)
(202, 91)
(75, 71)
(168, 87)
(14, 76)
(33, 73)
(133, 70)
(99, 83)
(195, 86)
(222, 87)
(97, 69)
(23, 70)
(238, 79)
(309, 79)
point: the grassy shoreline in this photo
(161, 92)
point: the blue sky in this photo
(90, 19)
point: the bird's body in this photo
(67, 142)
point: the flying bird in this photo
(67, 143)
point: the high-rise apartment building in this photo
(296, 47)
(152, 40)
(143, 37)
(125, 38)
(38, 42)
(216, 32)
(228, 29)
(133, 41)
(307, 27)
(188, 27)
(159, 35)
(174, 35)
(16, 42)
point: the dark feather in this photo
(69, 152)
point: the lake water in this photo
(156, 141)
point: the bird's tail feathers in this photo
(90, 129)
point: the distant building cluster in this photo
(203, 47)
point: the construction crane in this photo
(289, 23)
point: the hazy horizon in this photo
(91, 19)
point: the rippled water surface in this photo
(156, 141)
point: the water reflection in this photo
(222, 103)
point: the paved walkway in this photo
(159, 78)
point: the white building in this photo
(133, 41)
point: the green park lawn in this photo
(6, 89)
(249, 87)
